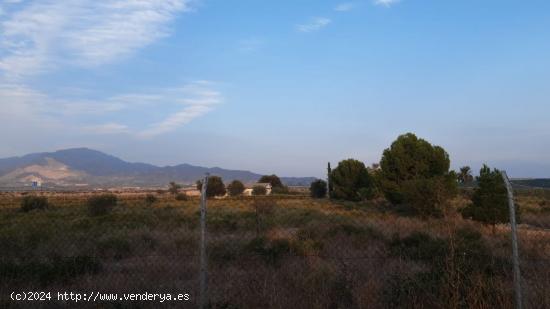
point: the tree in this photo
(274, 180)
(318, 189)
(490, 199)
(174, 188)
(259, 190)
(215, 186)
(465, 175)
(351, 181)
(429, 196)
(410, 169)
(235, 188)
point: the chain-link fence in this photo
(265, 252)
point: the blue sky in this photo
(277, 86)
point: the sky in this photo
(277, 86)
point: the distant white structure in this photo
(36, 184)
(266, 185)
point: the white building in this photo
(266, 185)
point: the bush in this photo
(318, 189)
(55, 270)
(412, 170)
(490, 200)
(32, 202)
(150, 199)
(264, 206)
(270, 251)
(456, 262)
(174, 188)
(215, 186)
(351, 181)
(102, 204)
(181, 197)
(280, 190)
(259, 190)
(235, 188)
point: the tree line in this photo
(217, 187)
(415, 176)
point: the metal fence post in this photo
(329, 172)
(203, 266)
(515, 253)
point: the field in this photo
(272, 252)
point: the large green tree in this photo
(351, 181)
(235, 188)
(215, 186)
(416, 173)
(490, 199)
(274, 180)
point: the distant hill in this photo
(87, 167)
(532, 183)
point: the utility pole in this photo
(203, 266)
(515, 252)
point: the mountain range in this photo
(85, 167)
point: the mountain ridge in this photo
(85, 166)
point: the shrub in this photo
(150, 199)
(456, 262)
(102, 204)
(409, 169)
(262, 210)
(318, 189)
(490, 200)
(351, 181)
(259, 190)
(270, 251)
(280, 190)
(48, 271)
(32, 202)
(174, 188)
(215, 186)
(419, 247)
(181, 197)
(235, 188)
(264, 207)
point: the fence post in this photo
(329, 172)
(203, 266)
(515, 253)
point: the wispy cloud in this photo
(38, 36)
(197, 100)
(165, 109)
(108, 128)
(344, 7)
(314, 24)
(386, 3)
(48, 35)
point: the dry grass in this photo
(277, 252)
